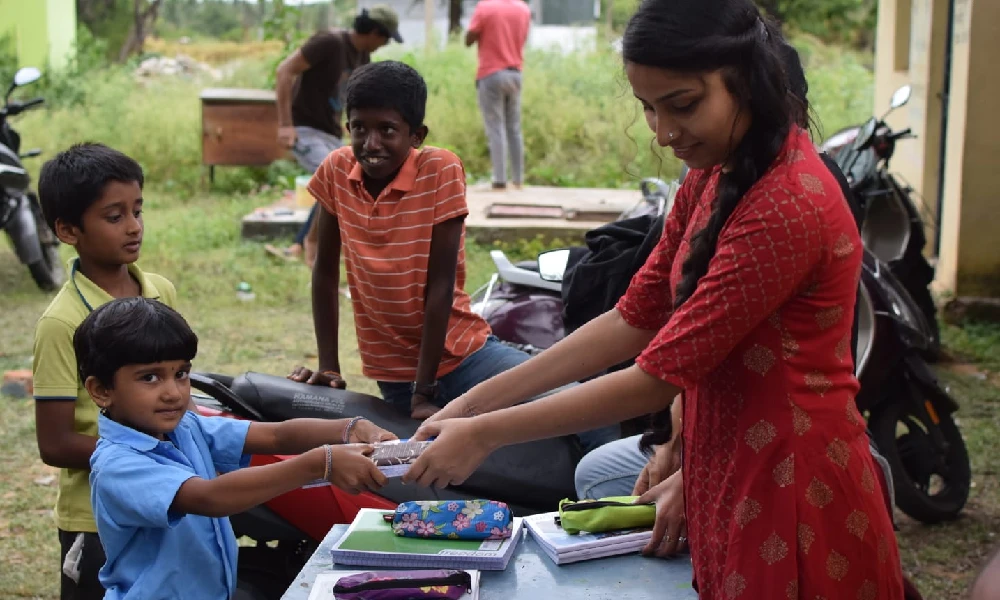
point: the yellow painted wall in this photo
(910, 48)
(44, 31)
(62, 31)
(971, 176)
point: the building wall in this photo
(912, 35)
(911, 48)
(62, 32)
(413, 28)
(970, 254)
(44, 31)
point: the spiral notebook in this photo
(563, 548)
(370, 542)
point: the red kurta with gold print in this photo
(781, 494)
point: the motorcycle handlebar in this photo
(902, 134)
(19, 107)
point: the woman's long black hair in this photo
(731, 36)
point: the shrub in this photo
(581, 126)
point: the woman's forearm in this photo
(603, 401)
(602, 343)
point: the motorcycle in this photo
(893, 229)
(910, 415)
(523, 307)
(20, 212)
(287, 529)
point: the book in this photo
(322, 587)
(370, 542)
(563, 548)
(394, 458)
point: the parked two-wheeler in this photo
(288, 528)
(20, 212)
(523, 308)
(910, 414)
(893, 229)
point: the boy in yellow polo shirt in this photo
(91, 196)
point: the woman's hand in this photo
(664, 463)
(366, 432)
(459, 448)
(322, 378)
(670, 528)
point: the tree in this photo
(773, 8)
(144, 13)
(454, 16)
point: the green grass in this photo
(580, 129)
(581, 125)
(196, 244)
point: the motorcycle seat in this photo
(513, 474)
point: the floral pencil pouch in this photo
(607, 514)
(403, 585)
(453, 520)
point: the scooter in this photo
(910, 414)
(893, 228)
(523, 307)
(20, 212)
(287, 529)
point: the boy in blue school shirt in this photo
(161, 510)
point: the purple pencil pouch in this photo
(404, 585)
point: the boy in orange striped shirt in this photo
(397, 212)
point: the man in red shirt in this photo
(500, 28)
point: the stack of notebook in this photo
(564, 548)
(370, 542)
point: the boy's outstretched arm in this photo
(439, 295)
(296, 436)
(241, 490)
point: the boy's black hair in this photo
(75, 179)
(388, 84)
(130, 331)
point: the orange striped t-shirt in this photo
(386, 245)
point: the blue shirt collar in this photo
(114, 431)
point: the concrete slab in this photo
(549, 212)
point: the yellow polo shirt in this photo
(56, 378)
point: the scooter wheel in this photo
(931, 485)
(46, 272)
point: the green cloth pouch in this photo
(606, 514)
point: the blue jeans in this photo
(493, 358)
(311, 147)
(610, 471)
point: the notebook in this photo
(322, 588)
(370, 542)
(563, 548)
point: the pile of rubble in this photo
(180, 65)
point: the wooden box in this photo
(239, 128)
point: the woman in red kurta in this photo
(745, 306)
